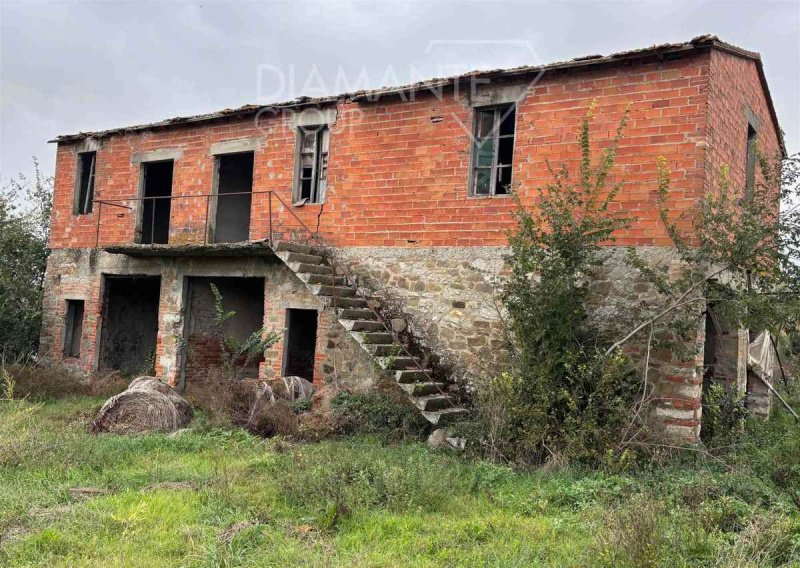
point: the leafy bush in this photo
(563, 395)
(724, 415)
(381, 413)
(25, 207)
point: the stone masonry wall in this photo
(451, 297)
(77, 274)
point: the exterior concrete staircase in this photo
(311, 265)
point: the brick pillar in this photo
(678, 393)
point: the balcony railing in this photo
(204, 219)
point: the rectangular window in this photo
(311, 172)
(233, 198)
(156, 202)
(493, 150)
(73, 328)
(750, 165)
(84, 183)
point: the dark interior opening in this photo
(709, 351)
(232, 218)
(73, 328)
(245, 297)
(86, 175)
(130, 324)
(157, 183)
(300, 343)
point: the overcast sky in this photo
(75, 66)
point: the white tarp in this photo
(761, 355)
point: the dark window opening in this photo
(73, 328)
(84, 191)
(300, 342)
(156, 202)
(130, 324)
(493, 151)
(709, 350)
(312, 164)
(204, 363)
(233, 198)
(750, 165)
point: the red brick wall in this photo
(733, 87)
(397, 178)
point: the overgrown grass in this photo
(210, 496)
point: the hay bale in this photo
(156, 385)
(147, 406)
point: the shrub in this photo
(381, 413)
(57, 381)
(724, 415)
(634, 534)
(564, 394)
(246, 404)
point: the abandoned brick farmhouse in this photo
(352, 222)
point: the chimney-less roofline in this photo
(697, 44)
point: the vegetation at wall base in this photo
(215, 495)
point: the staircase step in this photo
(423, 389)
(445, 416)
(289, 257)
(324, 290)
(286, 246)
(397, 363)
(407, 376)
(300, 268)
(362, 325)
(322, 279)
(309, 263)
(383, 350)
(433, 402)
(347, 303)
(375, 337)
(356, 314)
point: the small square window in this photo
(493, 150)
(73, 328)
(84, 183)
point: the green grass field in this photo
(212, 496)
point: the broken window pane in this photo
(493, 152)
(508, 116)
(503, 180)
(84, 191)
(506, 151)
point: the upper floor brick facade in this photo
(400, 169)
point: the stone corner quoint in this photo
(408, 189)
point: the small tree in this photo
(25, 207)
(564, 393)
(237, 354)
(738, 252)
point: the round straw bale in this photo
(141, 410)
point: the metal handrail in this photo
(335, 266)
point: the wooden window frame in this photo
(319, 170)
(500, 111)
